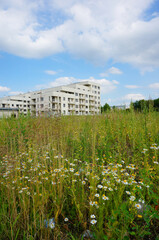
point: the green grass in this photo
(78, 166)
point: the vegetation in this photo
(105, 108)
(61, 177)
(146, 104)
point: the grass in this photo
(61, 177)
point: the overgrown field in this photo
(80, 177)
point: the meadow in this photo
(80, 177)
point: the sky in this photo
(47, 43)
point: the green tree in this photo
(105, 108)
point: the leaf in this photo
(16, 220)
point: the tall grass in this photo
(63, 176)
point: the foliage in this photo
(147, 104)
(65, 177)
(105, 108)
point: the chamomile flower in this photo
(129, 193)
(105, 198)
(96, 195)
(138, 206)
(132, 198)
(93, 221)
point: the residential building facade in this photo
(81, 98)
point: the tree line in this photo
(138, 105)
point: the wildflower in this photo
(77, 174)
(125, 182)
(83, 182)
(96, 195)
(119, 165)
(129, 193)
(118, 180)
(93, 216)
(100, 186)
(132, 198)
(71, 169)
(74, 180)
(91, 203)
(110, 189)
(139, 216)
(155, 162)
(138, 206)
(49, 223)
(66, 219)
(93, 221)
(105, 198)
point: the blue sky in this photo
(55, 42)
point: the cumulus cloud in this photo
(154, 86)
(106, 85)
(133, 97)
(94, 30)
(50, 72)
(132, 86)
(112, 70)
(4, 89)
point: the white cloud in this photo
(112, 70)
(134, 97)
(132, 86)
(4, 89)
(50, 72)
(154, 86)
(94, 30)
(106, 85)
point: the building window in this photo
(64, 98)
(64, 105)
(41, 99)
(76, 100)
(76, 94)
(76, 106)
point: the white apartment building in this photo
(81, 98)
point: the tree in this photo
(105, 108)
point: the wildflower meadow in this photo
(80, 177)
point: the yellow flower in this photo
(139, 216)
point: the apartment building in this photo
(20, 102)
(81, 98)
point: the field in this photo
(80, 177)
